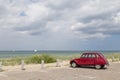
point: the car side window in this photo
(90, 56)
(97, 55)
(84, 56)
(93, 55)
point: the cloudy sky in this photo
(60, 24)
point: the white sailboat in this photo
(35, 50)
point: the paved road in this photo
(65, 73)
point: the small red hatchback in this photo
(90, 59)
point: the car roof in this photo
(91, 53)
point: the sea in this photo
(11, 54)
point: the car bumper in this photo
(106, 66)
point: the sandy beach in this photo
(35, 67)
(64, 72)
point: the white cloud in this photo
(117, 18)
(91, 18)
(37, 12)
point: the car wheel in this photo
(73, 64)
(97, 66)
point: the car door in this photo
(97, 59)
(83, 59)
(92, 59)
(89, 59)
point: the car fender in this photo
(75, 60)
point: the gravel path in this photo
(64, 73)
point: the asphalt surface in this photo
(65, 73)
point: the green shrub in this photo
(35, 59)
(110, 56)
(38, 58)
(11, 61)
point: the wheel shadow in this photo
(90, 67)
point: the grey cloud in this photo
(33, 31)
(61, 5)
(36, 28)
(104, 31)
(63, 8)
(106, 28)
(106, 15)
(53, 22)
(88, 19)
(3, 11)
(68, 13)
(34, 1)
(29, 27)
(37, 32)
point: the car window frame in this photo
(84, 56)
(89, 55)
(94, 55)
(97, 55)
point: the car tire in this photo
(73, 65)
(97, 66)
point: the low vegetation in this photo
(110, 56)
(35, 59)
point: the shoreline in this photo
(13, 54)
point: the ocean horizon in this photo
(22, 53)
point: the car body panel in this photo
(90, 59)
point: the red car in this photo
(90, 59)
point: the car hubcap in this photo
(97, 66)
(74, 64)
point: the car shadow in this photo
(90, 67)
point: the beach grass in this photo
(36, 59)
(110, 56)
(114, 57)
(68, 57)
